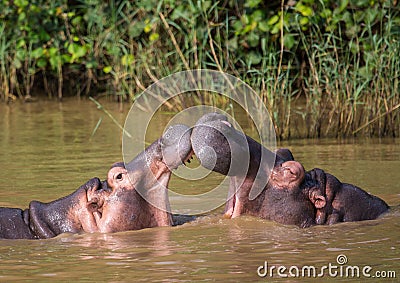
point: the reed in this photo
(4, 76)
(347, 88)
(337, 79)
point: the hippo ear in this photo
(318, 200)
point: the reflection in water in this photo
(49, 151)
(123, 245)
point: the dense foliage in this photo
(341, 56)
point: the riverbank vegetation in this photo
(332, 66)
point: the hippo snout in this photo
(176, 146)
(96, 191)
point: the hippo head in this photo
(219, 146)
(271, 183)
(133, 197)
(135, 194)
(222, 148)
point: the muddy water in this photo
(49, 149)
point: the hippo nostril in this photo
(92, 207)
(102, 187)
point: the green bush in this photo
(339, 57)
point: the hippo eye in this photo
(119, 176)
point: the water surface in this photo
(49, 149)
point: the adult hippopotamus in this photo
(134, 196)
(290, 195)
(342, 202)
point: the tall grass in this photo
(315, 81)
(351, 91)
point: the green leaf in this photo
(41, 63)
(288, 41)
(21, 43)
(154, 36)
(21, 3)
(127, 59)
(91, 64)
(233, 43)
(326, 13)
(238, 27)
(371, 15)
(81, 51)
(147, 28)
(304, 21)
(31, 70)
(263, 26)
(258, 15)
(253, 39)
(21, 54)
(273, 20)
(77, 51)
(22, 16)
(107, 69)
(343, 5)
(17, 63)
(136, 29)
(249, 28)
(245, 19)
(37, 53)
(252, 3)
(304, 10)
(253, 58)
(65, 58)
(76, 21)
(55, 61)
(276, 28)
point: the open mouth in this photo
(188, 158)
(164, 170)
(232, 210)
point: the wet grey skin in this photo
(291, 195)
(134, 196)
(221, 148)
